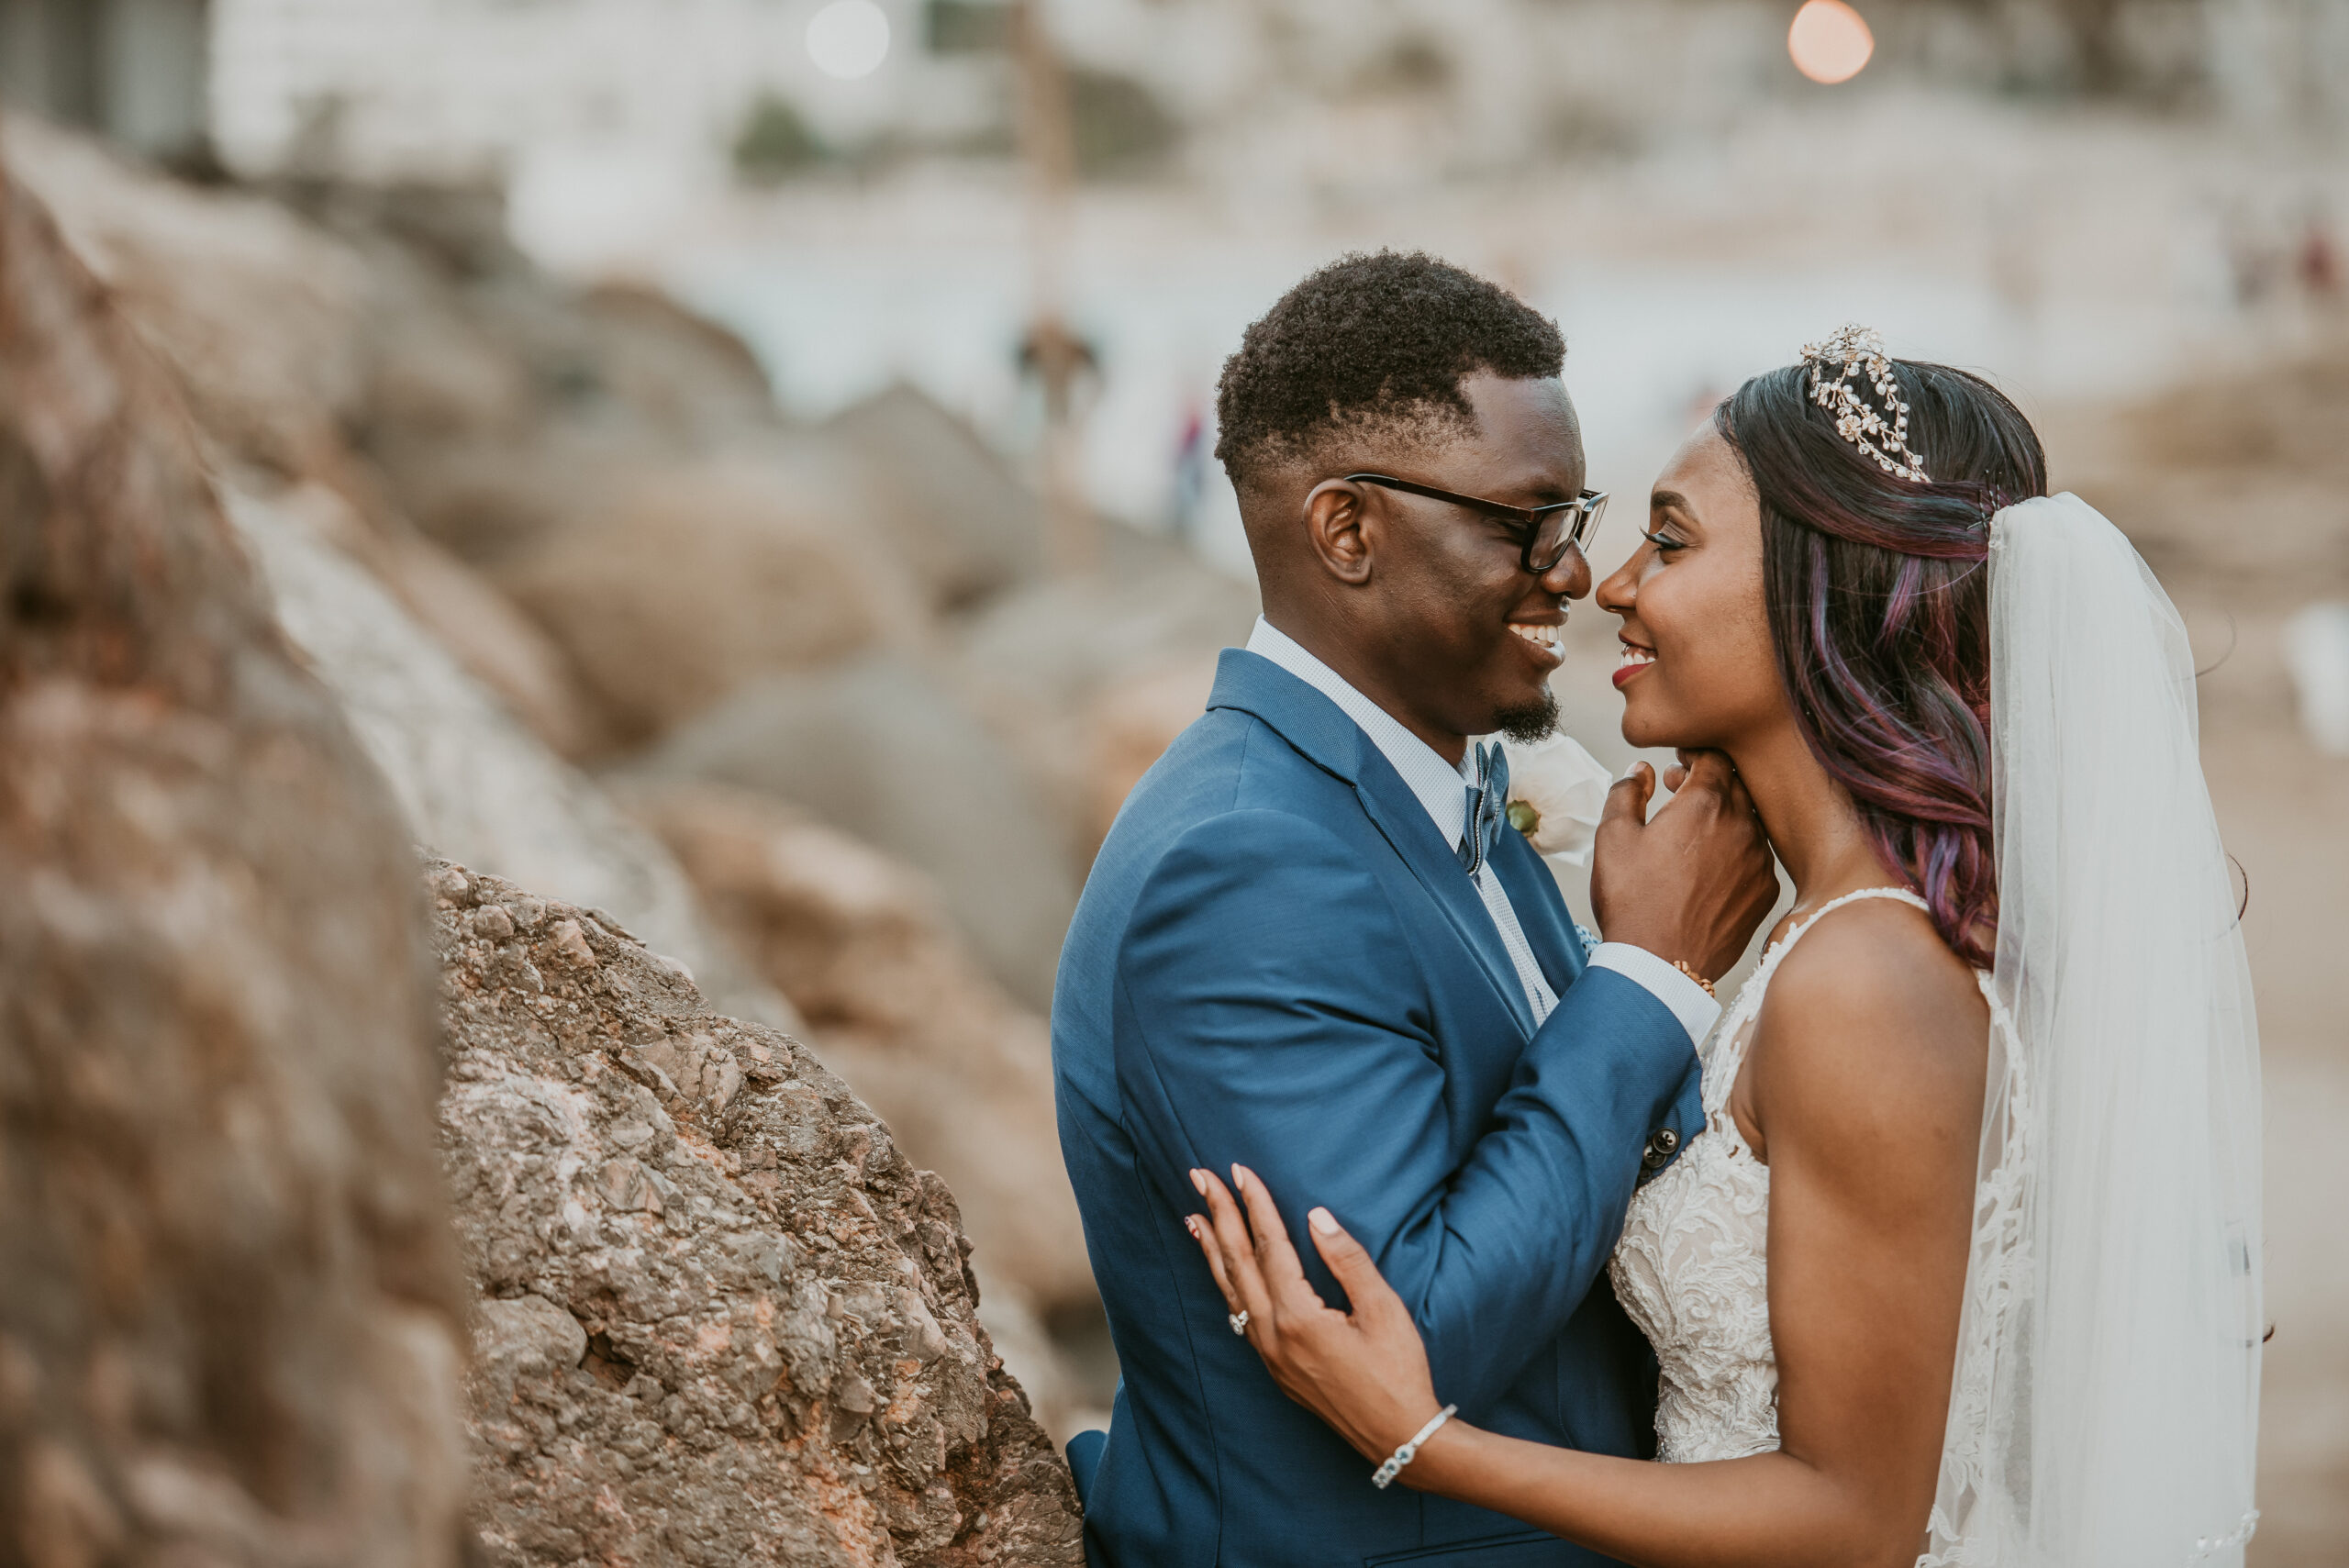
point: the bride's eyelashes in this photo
(1664, 543)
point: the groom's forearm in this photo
(1530, 1221)
(1301, 1048)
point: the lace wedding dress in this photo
(1692, 1268)
(2105, 1400)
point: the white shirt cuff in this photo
(1697, 1011)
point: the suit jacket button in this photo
(1659, 1148)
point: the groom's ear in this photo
(1339, 529)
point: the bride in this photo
(1963, 1267)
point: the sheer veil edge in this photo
(2104, 1412)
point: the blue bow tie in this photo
(1487, 808)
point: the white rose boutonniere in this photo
(1556, 794)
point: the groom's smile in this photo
(1466, 639)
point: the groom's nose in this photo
(1570, 578)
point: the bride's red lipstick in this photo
(1635, 659)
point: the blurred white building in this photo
(134, 69)
(643, 92)
(467, 89)
(472, 89)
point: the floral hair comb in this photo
(1880, 432)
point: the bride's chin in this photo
(1647, 735)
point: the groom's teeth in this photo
(1539, 636)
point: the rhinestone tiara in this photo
(1880, 432)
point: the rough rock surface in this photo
(471, 781)
(231, 1315)
(723, 1320)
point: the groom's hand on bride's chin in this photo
(1690, 885)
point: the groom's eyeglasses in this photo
(1545, 534)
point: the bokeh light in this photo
(1830, 41)
(848, 39)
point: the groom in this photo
(1311, 944)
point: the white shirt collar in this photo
(1440, 787)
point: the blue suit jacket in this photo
(1279, 960)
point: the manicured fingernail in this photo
(1191, 1224)
(1199, 1181)
(1323, 1221)
(1238, 1180)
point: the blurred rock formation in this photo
(861, 945)
(1088, 679)
(522, 529)
(952, 515)
(695, 578)
(230, 1317)
(722, 1320)
(2255, 439)
(885, 750)
(471, 781)
(269, 324)
(276, 330)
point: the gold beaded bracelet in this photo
(1682, 965)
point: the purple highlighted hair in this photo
(1878, 598)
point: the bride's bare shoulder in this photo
(1873, 1035)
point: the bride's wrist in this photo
(1440, 1458)
(1395, 1449)
(1376, 1441)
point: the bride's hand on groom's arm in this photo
(1364, 1371)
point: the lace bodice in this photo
(1692, 1268)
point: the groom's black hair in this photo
(1368, 343)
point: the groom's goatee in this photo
(1532, 722)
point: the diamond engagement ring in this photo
(1239, 1321)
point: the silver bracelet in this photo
(1385, 1473)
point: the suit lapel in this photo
(1321, 729)
(1540, 911)
(1397, 814)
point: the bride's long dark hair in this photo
(1878, 598)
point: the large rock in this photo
(504, 410)
(471, 781)
(496, 642)
(944, 502)
(1088, 678)
(259, 315)
(696, 578)
(230, 1318)
(282, 336)
(723, 1320)
(878, 748)
(860, 946)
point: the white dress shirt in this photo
(1442, 789)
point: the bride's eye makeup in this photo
(1664, 543)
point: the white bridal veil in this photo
(2106, 1402)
